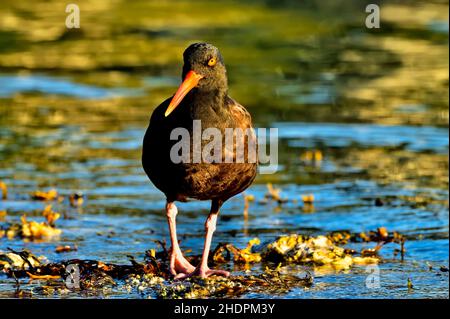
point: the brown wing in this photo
(240, 114)
(243, 120)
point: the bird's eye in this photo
(212, 62)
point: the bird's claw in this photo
(179, 265)
(202, 273)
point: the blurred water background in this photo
(373, 103)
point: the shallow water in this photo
(75, 122)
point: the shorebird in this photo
(202, 95)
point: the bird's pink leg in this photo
(203, 270)
(178, 264)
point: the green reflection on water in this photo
(312, 62)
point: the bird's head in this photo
(203, 69)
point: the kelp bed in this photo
(150, 276)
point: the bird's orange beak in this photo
(189, 82)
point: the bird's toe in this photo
(218, 272)
(179, 265)
(181, 275)
(203, 273)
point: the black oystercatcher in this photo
(203, 95)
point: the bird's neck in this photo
(208, 105)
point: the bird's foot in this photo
(179, 265)
(203, 273)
